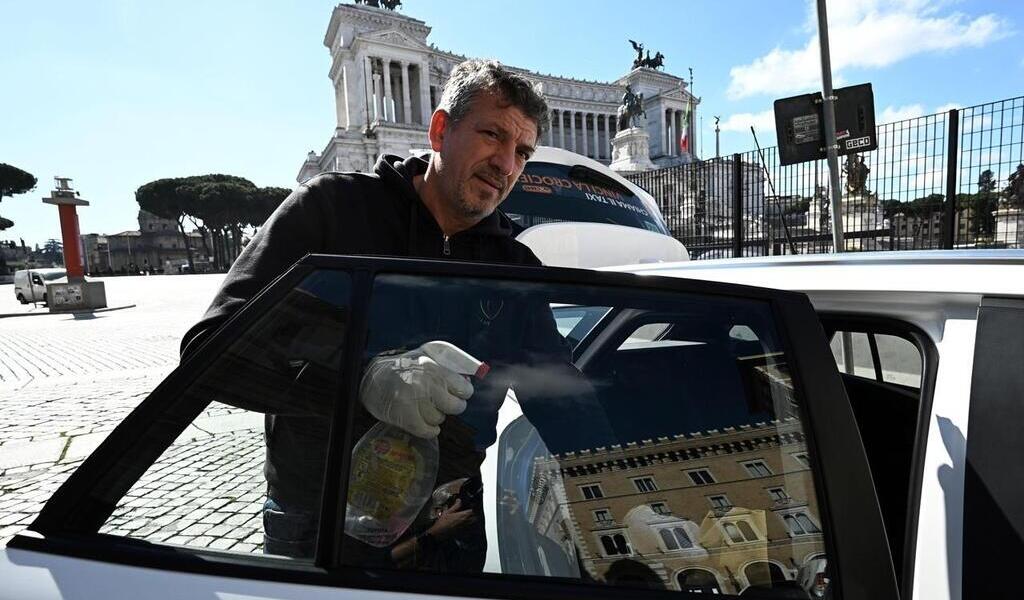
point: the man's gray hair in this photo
(471, 77)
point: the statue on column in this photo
(631, 109)
(856, 172)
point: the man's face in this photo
(481, 156)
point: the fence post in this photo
(952, 152)
(737, 206)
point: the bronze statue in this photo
(655, 63)
(856, 172)
(646, 61)
(388, 4)
(631, 109)
(639, 60)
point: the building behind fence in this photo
(897, 197)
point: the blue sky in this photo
(117, 93)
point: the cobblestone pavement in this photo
(67, 380)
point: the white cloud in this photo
(741, 122)
(948, 107)
(866, 34)
(891, 114)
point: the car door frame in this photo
(861, 565)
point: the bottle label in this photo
(384, 473)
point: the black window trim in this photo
(862, 566)
(836, 321)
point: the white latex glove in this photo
(413, 392)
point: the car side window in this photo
(882, 357)
(636, 465)
(245, 474)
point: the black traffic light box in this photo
(800, 124)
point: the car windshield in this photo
(53, 275)
(549, 192)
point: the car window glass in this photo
(858, 362)
(900, 360)
(575, 322)
(639, 468)
(245, 474)
(550, 192)
(645, 333)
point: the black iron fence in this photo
(948, 180)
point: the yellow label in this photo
(384, 471)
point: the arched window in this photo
(746, 530)
(698, 581)
(682, 538)
(615, 544)
(807, 523)
(668, 539)
(621, 544)
(733, 533)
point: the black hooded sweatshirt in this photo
(354, 213)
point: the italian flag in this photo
(684, 137)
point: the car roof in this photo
(993, 272)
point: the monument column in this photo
(572, 129)
(597, 139)
(664, 131)
(608, 135)
(389, 111)
(406, 99)
(679, 132)
(425, 107)
(583, 126)
(561, 128)
(377, 99)
(367, 88)
(551, 128)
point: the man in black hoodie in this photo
(485, 129)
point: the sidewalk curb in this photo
(66, 312)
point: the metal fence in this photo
(948, 180)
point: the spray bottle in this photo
(393, 471)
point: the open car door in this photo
(691, 438)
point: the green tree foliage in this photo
(14, 181)
(52, 252)
(220, 207)
(982, 204)
(1013, 193)
(161, 198)
(264, 202)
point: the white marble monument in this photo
(387, 80)
(631, 151)
(1010, 227)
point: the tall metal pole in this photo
(831, 147)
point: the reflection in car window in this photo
(639, 468)
(245, 475)
(548, 192)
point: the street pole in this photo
(831, 146)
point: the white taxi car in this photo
(769, 428)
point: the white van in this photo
(30, 284)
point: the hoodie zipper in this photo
(447, 249)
